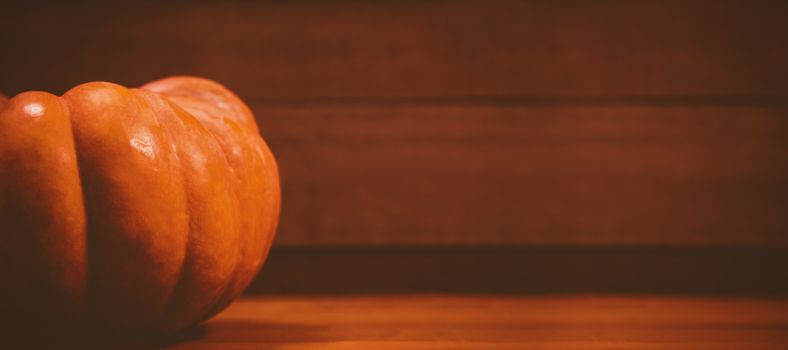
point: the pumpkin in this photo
(131, 210)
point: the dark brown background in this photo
(491, 146)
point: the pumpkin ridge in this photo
(179, 169)
(210, 311)
(228, 293)
(236, 270)
(244, 281)
(89, 299)
(135, 205)
(87, 259)
(41, 225)
(178, 123)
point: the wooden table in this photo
(496, 322)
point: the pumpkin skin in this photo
(131, 210)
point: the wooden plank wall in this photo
(591, 123)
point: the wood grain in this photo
(426, 175)
(485, 322)
(351, 49)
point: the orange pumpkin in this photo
(131, 210)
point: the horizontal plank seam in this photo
(514, 248)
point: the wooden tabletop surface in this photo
(496, 322)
